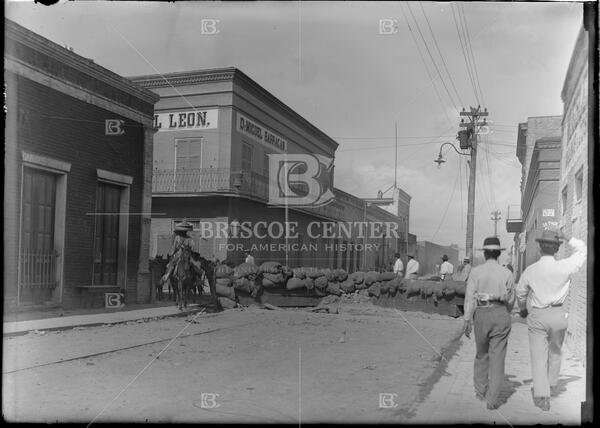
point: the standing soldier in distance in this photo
(542, 289)
(446, 269)
(489, 298)
(412, 267)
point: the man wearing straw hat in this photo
(542, 289)
(181, 240)
(489, 298)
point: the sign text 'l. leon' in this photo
(187, 120)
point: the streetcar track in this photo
(125, 348)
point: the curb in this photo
(96, 324)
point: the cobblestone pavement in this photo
(452, 399)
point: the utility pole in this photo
(495, 218)
(468, 139)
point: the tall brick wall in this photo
(574, 221)
(53, 124)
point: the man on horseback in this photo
(182, 268)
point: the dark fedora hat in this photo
(445, 258)
(550, 237)
(492, 243)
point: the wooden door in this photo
(106, 236)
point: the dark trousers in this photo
(491, 327)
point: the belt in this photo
(489, 303)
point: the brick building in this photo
(429, 255)
(72, 192)
(536, 185)
(217, 131)
(574, 178)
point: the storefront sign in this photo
(260, 133)
(189, 119)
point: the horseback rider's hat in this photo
(549, 237)
(492, 243)
(184, 226)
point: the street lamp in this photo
(440, 160)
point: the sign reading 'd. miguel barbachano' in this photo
(260, 133)
(186, 120)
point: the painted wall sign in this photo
(186, 120)
(260, 133)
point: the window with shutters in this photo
(246, 157)
(106, 235)
(188, 153)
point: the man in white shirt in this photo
(542, 289)
(412, 268)
(398, 266)
(446, 269)
(249, 258)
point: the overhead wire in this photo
(440, 53)
(463, 48)
(431, 57)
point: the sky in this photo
(330, 62)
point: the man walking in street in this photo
(489, 298)
(398, 266)
(542, 289)
(412, 268)
(446, 269)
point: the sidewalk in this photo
(91, 319)
(452, 399)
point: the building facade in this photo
(528, 133)
(429, 255)
(574, 178)
(219, 138)
(78, 156)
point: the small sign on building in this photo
(548, 212)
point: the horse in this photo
(183, 275)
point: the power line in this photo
(463, 48)
(473, 63)
(431, 57)
(440, 52)
(447, 206)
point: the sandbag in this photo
(223, 271)
(299, 273)
(327, 273)
(460, 289)
(270, 267)
(360, 286)
(386, 276)
(294, 283)
(357, 277)
(427, 288)
(276, 278)
(245, 270)
(374, 289)
(224, 282)
(321, 283)
(364, 292)
(309, 283)
(438, 289)
(286, 272)
(227, 303)
(320, 293)
(347, 286)
(340, 274)
(412, 286)
(267, 283)
(224, 291)
(384, 287)
(333, 288)
(449, 291)
(312, 272)
(371, 277)
(243, 284)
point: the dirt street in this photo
(265, 366)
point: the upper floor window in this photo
(579, 185)
(188, 153)
(563, 200)
(246, 157)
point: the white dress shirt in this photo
(446, 269)
(546, 282)
(412, 269)
(398, 266)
